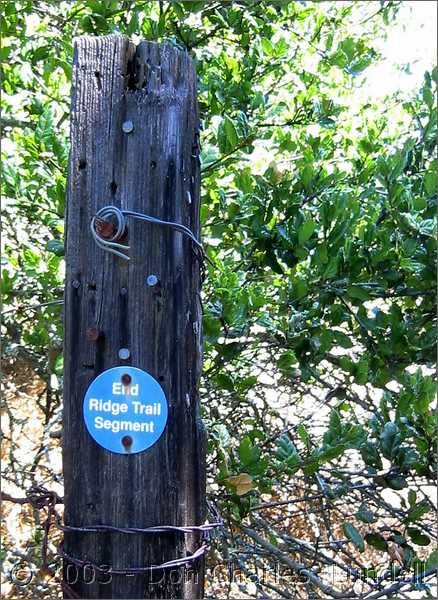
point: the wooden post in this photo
(134, 145)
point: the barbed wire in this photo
(171, 564)
(39, 498)
(158, 529)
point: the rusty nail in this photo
(127, 441)
(105, 229)
(126, 379)
(123, 291)
(92, 334)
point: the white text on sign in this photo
(124, 390)
(117, 408)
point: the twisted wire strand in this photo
(39, 497)
(206, 528)
(177, 562)
(111, 244)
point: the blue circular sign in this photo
(125, 410)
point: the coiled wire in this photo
(117, 218)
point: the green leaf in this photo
(342, 339)
(267, 46)
(361, 371)
(303, 434)
(220, 431)
(412, 498)
(287, 453)
(370, 455)
(420, 539)
(365, 515)
(224, 381)
(56, 247)
(431, 561)
(419, 203)
(299, 288)
(428, 96)
(396, 482)
(416, 512)
(332, 268)
(40, 53)
(286, 361)
(328, 453)
(358, 293)
(307, 177)
(390, 439)
(430, 182)
(334, 434)
(376, 541)
(354, 536)
(244, 180)
(305, 231)
(230, 132)
(247, 452)
(259, 467)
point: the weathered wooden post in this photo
(134, 145)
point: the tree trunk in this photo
(134, 145)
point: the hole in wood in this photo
(153, 164)
(82, 163)
(98, 79)
(132, 74)
(113, 187)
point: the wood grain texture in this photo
(153, 170)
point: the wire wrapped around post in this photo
(111, 242)
(39, 497)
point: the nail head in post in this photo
(128, 127)
(92, 334)
(151, 280)
(127, 442)
(126, 379)
(124, 353)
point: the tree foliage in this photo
(318, 214)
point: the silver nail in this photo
(128, 127)
(124, 353)
(152, 280)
